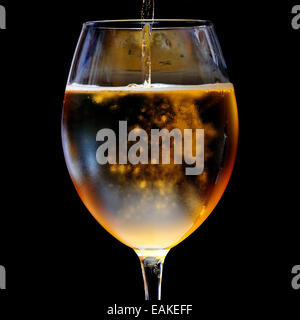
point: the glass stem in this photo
(152, 262)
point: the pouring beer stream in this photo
(146, 14)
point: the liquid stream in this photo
(147, 13)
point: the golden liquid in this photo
(150, 206)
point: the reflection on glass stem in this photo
(152, 262)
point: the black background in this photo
(239, 261)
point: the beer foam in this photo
(75, 87)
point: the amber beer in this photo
(146, 205)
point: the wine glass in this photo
(149, 131)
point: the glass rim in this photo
(136, 24)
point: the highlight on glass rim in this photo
(149, 131)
